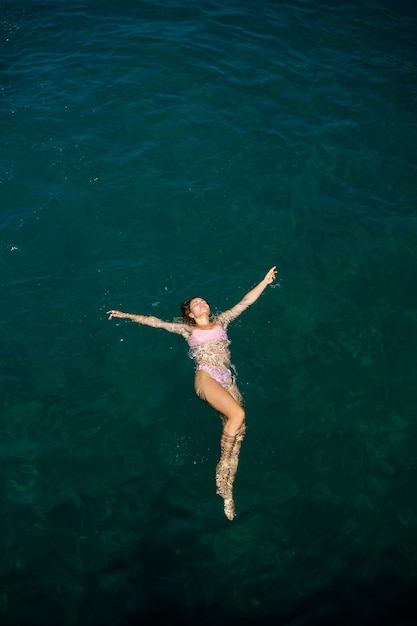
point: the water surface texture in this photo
(156, 150)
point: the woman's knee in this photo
(241, 414)
(237, 417)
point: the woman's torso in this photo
(210, 346)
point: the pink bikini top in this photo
(199, 336)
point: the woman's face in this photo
(198, 306)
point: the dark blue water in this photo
(152, 151)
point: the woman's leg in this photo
(224, 484)
(221, 400)
(234, 454)
(234, 428)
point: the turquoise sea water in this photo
(152, 151)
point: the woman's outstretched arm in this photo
(150, 320)
(249, 298)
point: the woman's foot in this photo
(229, 508)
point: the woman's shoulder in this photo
(185, 330)
(222, 320)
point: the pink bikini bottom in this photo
(221, 374)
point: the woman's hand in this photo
(271, 275)
(113, 313)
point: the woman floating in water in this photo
(214, 381)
